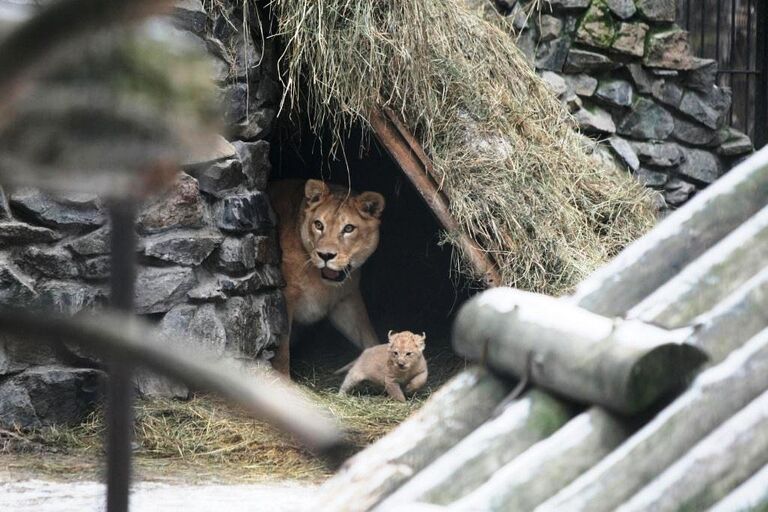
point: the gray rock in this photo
(21, 233)
(263, 278)
(622, 8)
(572, 102)
(550, 27)
(16, 289)
(703, 75)
(699, 165)
(651, 178)
(267, 250)
(158, 289)
(208, 290)
(149, 384)
(244, 212)
(643, 79)
(97, 268)
(205, 154)
(53, 262)
(624, 151)
(657, 10)
(219, 177)
(185, 247)
(254, 159)
(555, 82)
(659, 154)
(237, 254)
(5, 209)
(585, 61)
(592, 119)
(189, 15)
(615, 92)
(49, 395)
(630, 39)
(519, 17)
(551, 55)
(93, 244)
(254, 323)
(597, 27)
(181, 207)
(246, 120)
(694, 133)
(582, 84)
(569, 4)
(647, 120)
(72, 212)
(196, 327)
(668, 49)
(708, 109)
(666, 92)
(736, 144)
(69, 297)
(677, 191)
(19, 353)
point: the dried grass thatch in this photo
(517, 175)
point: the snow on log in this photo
(706, 281)
(750, 496)
(477, 457)
(623, 365)
(715, 395)
(657, 257)
(449, 415)
(539, 472)
(714, 467)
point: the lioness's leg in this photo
(393, 389)
(416, 383)
(350, 317)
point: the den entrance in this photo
(409, 282)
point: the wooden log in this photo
(477, 457)
(680, 238)
(718, 464)
(449, 415)
(752, 495)
(715, 395)
(709, 279)
(623, 365)
(526, 481)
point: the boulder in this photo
(21, 233)
(630, 39)
(657, 10)
(5, 209)
(622, 8)
(659, 154)
(265, 277)
(643, 79)
(16, 289)
(244, 212)
(651, 178)
(709, 109)
(218, 149)
(584, 60)
(254, 160)
(677, 191)
(568, 5)
(668, 49)
(615, 92)
(647, 120)
(53, 262)
(624, 151)
(550, 27)
(693, 133)
(700, 166)
(597, 27)
(736, 144)
(245, 119)
(581, 83)
(237, 254)
(98, 268)
(180, 207)
(69, 212)
(185, 247)
(18, 354)
(49, 395)
(703, 74)
(93, 244)
(667, 92)
(189, 15)
(218, 177)
(555, 82)
(69, 297)
(158, 289)
(594, 120)
(551, 55)
(253, 323)
(195, 326)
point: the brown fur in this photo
(398, 363)
(312, 221)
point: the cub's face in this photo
(405, 349)
(340, 230)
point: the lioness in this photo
(399, 362)
(326, 234)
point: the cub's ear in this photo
(389, 336)
(422, 341)
(315, 190)
(370, 204)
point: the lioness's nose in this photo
(326, 256)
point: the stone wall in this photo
(625, 71)
(207, 252)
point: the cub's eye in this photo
(408, 353)
(349, 228)
(396, 353)
(318, 225)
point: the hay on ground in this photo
(517, 174)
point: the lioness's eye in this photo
(349, 228)
(318, 225)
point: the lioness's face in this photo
(405, 348)
(340, 230)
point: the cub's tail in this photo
(345, 367)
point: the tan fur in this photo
(398, 363)
(312, 221)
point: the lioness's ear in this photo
(370, 204)
(315, 190)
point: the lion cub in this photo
(399, 362)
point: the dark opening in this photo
(407, 284)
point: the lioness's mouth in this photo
(333, 275)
